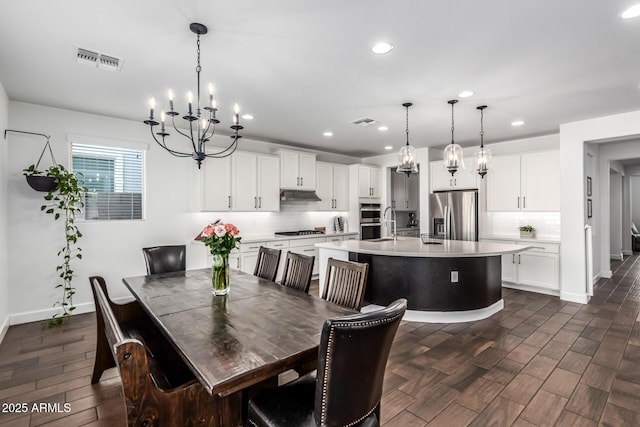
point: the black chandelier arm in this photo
(193, 141)
(169, 150)
(178, 130)
(227, 151)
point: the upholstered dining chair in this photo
(298, 270)
(165, 259)
(344, 283)
(352, 357)
(267, 263)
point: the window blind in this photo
(113, 177)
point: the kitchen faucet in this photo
(392, 221)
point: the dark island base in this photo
(426, 282)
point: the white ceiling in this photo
(303, 67)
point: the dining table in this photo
(239, 341)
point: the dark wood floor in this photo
(540, 361)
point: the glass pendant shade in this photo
(453, 158)
(407, 160)
(407, 154)
(483, 161)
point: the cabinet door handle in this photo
(524, 201)
(518, 201)
(308, 250)
(260, 202)
(407, 204)
(229, 202)
(450, 184)
(513, 258)
(255, 202)
(518, 258)
(301, 181)
(455, 182)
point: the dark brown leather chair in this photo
(298, 270)
(352, 357)
(165, 259)
(344, 283)
(267, 263)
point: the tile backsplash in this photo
(547, 224)
(292, 216)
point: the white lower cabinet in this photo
(245, 257)
(537, 267)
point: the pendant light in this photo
(483, 155)
(407, 154)
(453, 153)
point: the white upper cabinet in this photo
(369, 182)
(216, 184)
(529, 182)
(442, 180)
(333, 187)
(405, 194)
(268, 186)
(241, 182)
(298, 170)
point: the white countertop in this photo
(516, 238)
(274, 238)
(413, 247)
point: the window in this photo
(113, 177)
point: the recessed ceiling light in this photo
(517, 123)
(328, 134)
(383, 128)
(465, 94)
(247, 116)
(388, 147)
(381, 48)
(631, 12)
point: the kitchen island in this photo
(452, 281)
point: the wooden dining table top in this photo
(234, 341)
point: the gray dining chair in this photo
(298, 270)
(165, 259)
(345, 282)
(267, 263)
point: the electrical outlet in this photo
(454, 277)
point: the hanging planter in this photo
(40, 180)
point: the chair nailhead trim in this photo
(323, 415)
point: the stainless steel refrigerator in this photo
(454, 214)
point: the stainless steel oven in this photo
(370, 221)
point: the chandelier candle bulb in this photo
(170, 100)
(152, 103)
(162, 117)
(190, 100)
(236, 111)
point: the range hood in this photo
(299, 196)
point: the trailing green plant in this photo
(63, 203)
(527, 228)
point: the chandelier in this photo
(202, 125)
(453, 153)
(483, 155)
(407, 154)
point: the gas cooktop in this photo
(297, 233)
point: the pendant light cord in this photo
(407, 108)
(482, 128)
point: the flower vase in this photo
(220, 276)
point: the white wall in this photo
(4, 213)
(635, 200)
(615, 215)
(573, 137)
(112, 249)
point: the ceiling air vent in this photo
(98, 60)
(365, 121)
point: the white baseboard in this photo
(571, 297)
(528, 288)
(627, 252)
(617, 257)
(606, 274)
(445, 316)
(47, 314)
(4, 328)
